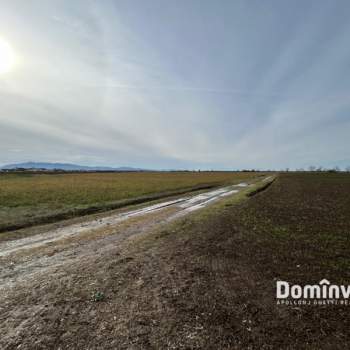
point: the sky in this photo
(185, 84)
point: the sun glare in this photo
(7, 57)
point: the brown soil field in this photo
(205, 281)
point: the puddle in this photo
(242, 184)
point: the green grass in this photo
(26, 199)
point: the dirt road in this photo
(21, 259)
(42, 260)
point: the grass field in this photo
(31, 198)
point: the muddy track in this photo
(47, 258)
(79, 212)
(181, 207)
(23, 259)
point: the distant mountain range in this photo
(65, 166)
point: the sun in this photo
(7, 57)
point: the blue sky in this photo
(177, 84)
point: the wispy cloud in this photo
(191, 84)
